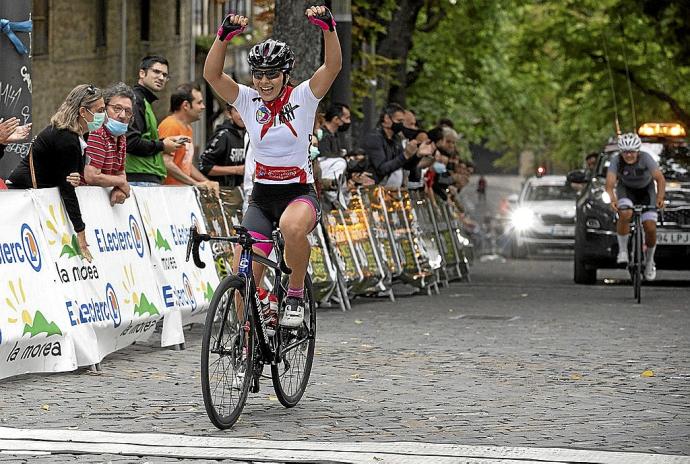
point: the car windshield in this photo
(674, 162)
(551, 192)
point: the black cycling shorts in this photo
(627, 197)
(268, 202)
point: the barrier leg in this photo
(94, 368)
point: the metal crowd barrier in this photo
(385, 237)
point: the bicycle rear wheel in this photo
(227, 354)
(291, 375)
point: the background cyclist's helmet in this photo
(629, 142)
(271, 54)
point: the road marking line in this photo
(202, 447)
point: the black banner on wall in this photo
(15, 74)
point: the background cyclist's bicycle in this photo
(241, 334)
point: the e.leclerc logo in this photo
(115, 241)
(136, 236)
(195, 222)
(175, 297)
(111, 298)
(95, 310)
(30, 245)
(26, 249)
(188, 291)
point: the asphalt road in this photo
(519, 357)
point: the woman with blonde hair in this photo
(57, 152)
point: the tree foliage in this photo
(544, 76)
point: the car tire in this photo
(583, 274)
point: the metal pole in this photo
(123, 43)
(192, 43)
(342, 87)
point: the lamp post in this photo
(342, 87)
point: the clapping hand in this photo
(7, 128)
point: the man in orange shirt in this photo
(186, 106)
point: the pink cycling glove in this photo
(228, 30)
(324, 21)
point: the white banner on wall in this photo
(167, 214)
(34, 331)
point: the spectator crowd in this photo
(111, 138)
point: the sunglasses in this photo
(91, 90)
(270, 74)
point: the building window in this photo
(145, 32)
(39, 36)
(101, 23)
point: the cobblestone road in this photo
(505, 360)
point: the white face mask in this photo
(313, 152)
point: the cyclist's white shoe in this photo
(650, 271)
(238, 378)
(622, 257)
(293, 312)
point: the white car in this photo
(544, 217)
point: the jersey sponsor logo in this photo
(280, 173)
(263, 115)
(287, 114)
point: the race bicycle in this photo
(239, 338)
(636, 263)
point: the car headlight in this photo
(523, 219)
(603, 196)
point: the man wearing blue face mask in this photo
(107, 146)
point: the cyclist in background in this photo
(632, 173)
(279, 119)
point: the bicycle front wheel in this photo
(227, 354)
(637, 259)
(291, 375)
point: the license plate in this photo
(673, 238)
(563, 231)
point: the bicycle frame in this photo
(270, 348)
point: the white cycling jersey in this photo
(279, 133)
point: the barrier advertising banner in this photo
(34, 329)
(113, 300)
(167, 214)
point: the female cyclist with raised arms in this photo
(279, 119)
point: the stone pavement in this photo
(519, 357)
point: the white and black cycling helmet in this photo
(629, 142)
(271, 54)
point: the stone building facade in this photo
(82, 41)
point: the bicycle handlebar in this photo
(195, 239)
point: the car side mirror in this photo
(576, 177)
